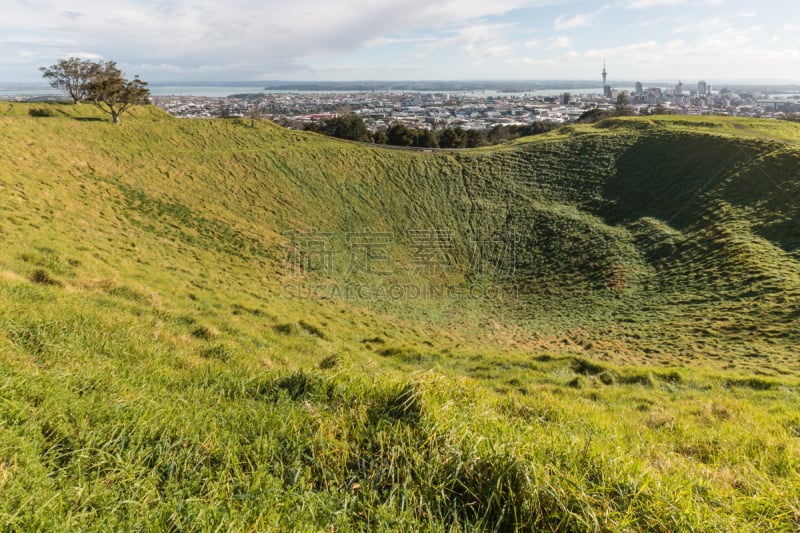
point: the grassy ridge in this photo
(163, 368)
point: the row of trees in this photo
(100, 82)
(352, 127)
(621, 109)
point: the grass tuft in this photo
(220, 352)
(43, 277)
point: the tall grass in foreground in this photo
(105, 427)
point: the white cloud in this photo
(620, 51)
(249, 39)
(646, 52)
(480, 54)
(646, 4)
(729, 40)
(581, 20)
(529, 61)
(388, 41)
(240, 36)
(703, 25)
(657, 60)
(481, 41)
(559, 42)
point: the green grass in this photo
(626, 359)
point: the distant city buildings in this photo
(677, 99)
(473, 110)
(476, 110)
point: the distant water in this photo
(13, 90)
(32, 90)
(19, 90)
(202, 90)
(10, 91)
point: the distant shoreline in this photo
(11, 91)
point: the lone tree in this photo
(594, 115)
(254, 113)
(112, 93)
(623, 106)
(71, 75)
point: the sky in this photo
(192, 40)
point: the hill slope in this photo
(683, 227)
(186, 301)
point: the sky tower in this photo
(605, 74)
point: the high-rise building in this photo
(679, 89)
(702, 88)
(639, 88)
(606, 87)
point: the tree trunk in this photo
(115, 117)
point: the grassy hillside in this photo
(205, 325)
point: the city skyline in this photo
(712, 40)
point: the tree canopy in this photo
(661, 110)
(400, 135)
(102, 82)
(348, 126)
(71, 75)
(623, 106)
(453, 138)
(595, 115)
(112, 93)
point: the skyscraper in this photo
(606, 87)
(702, 88)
